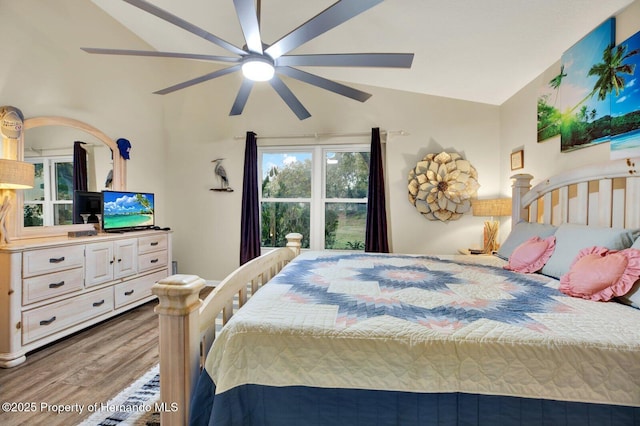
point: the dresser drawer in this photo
(46, 286)
(38, 262)
(152, 243)
(136, 289)
(41, 322)
(149, 261)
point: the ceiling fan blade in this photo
(198, 80)
(179, 22)
(160, 54)
(241, 98)
(383, 60)
(248, 17)
(329, 18)
(323, 83)
(289, 98)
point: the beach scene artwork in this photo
(625, 101)
(127, 210)
(587, 80)
(548, 112)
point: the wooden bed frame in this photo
(601, 195)
(185, 331)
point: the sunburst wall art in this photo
(441, 186)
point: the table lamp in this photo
(492, 208)
(13, 175)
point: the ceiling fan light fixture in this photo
(258, 60)
(258, 68)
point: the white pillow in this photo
(522, 232)
(571, 238)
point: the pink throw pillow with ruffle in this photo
(531, 255)
(598, 273)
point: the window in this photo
(320, 192)
(50, 202)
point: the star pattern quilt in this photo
(428, 324)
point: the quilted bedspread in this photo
(428, 324)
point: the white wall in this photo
(518, 121)
(44, 72)
(486, 135)
(176, 136)
(207, 224)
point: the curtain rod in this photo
(327, 135)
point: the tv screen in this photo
(86, 206)
(122, 211)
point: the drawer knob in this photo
(154, 260)
(47, 322)
(56, 259)
(56, 285)
(128, 293)
(100, 303)
(155, 243)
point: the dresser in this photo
(53, 287)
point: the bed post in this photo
(294, 242)
(177, 310)
(520, 186)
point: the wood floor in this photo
(89, 367)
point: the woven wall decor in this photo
(441, 186)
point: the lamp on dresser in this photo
(13, 175)
(492, 208)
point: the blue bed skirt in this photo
(253, 405)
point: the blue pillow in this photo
(571, 238)
(521, 233)
(632, 298)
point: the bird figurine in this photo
(222, 175)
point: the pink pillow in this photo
(598, 273)
(531, 255)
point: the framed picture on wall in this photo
(517, 160)
(625, 102)
(590, 75)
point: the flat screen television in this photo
(127, 211)
(87, 206)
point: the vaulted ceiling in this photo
(475, 50)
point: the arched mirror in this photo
(48, 143)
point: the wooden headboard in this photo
(603, 194)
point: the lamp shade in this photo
(16, 174)
(494, 207)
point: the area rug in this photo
(134, 406)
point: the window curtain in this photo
(250, 216)
(79, 167)
(376, 239)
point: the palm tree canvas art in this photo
(548, 112)
(625, 100)
(587, 78)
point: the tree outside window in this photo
(319, 192)
(50, 201)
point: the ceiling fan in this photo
(262, 62)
